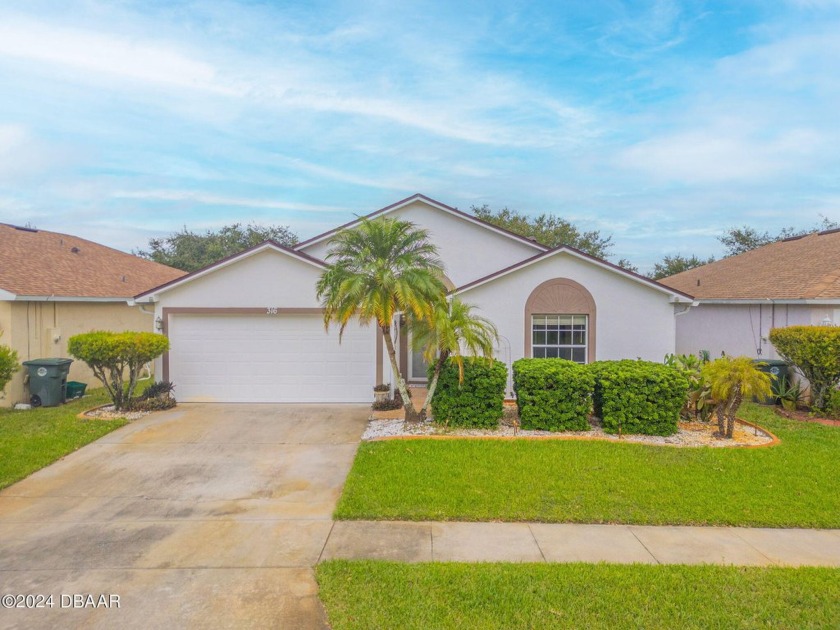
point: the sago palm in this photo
(451, 329)
(380, 268)
(732, 380)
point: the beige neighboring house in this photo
(250, 328)
(53, 286)
(740, 298)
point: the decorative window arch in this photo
(561, 296)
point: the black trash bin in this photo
(48, 381)
(778, 371)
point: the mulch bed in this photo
(803, 415)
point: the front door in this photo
(417, 366)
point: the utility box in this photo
(48, 381)
(778, 371)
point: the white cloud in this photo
(722, 154)
(204, 198)
(487, 109)
(116, 56)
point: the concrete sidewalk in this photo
(541, 542)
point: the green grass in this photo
(793, 484)
(369, 594)
(30, 440)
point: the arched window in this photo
(560, 321)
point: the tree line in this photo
(189, 250)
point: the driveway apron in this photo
(203, 516)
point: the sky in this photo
(661, 123)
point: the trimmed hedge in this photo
(638, 396)
(478, 402)
(553, 394)
(815, 351)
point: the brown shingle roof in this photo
(41, 263)
(799, 268)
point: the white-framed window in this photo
(560, 337)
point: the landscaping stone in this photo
(690, 434)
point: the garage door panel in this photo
(237, 358)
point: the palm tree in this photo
(731, 380)
(451, 328)
(380, 268)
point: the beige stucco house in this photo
(250, 328)
(741, 298)
(53, 286)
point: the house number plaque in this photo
(271, 310)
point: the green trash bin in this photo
(778, 371)
(48, 381)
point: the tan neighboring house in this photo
(53, 286)
(740, 298)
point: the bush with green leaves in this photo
(117, 358)
(553, 394)
(8, 366)
(476, 402)
(155, 397)
(815, 352)
(638, 396)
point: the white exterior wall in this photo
(263, 280)
(741, 329)
(469, 251)
(269, 278)
(632, 320)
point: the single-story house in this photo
(53, 286)
(739, 299)
(250, 328)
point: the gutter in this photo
(53, 298)
(755, 301)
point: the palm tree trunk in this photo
(411, 414)
(720, 412)
(730, 414)
(433, 385)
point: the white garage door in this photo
(280, 358)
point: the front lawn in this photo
(369, 594)
(793, 484)
(30, 440)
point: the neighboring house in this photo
(250, 328)
(53, 286)
(740, 298)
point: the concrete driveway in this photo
(204, 516)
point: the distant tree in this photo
(547, 229)
(738, 240)
(669, 265)
(189, 250)
(626, 264)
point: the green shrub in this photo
(8, 366)
(113, 357)
(478, 401)
(638, 396)
(815, 352)
(832, 405)
(553, 394)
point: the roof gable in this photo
(42, 264)
(800, 268)
(147, 296)
(538, 247)
(676, 296)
